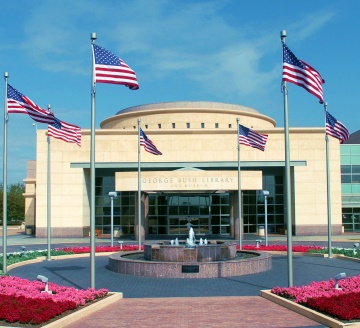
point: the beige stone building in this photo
(195, 180)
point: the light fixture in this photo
(338, 277)
(112, 195)
(46, 282)
(265, 193)
(356, 245)
(120, 242)
(23, 248)
(258, 241)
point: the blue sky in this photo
(226, 51)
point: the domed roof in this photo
(193, 105)
(187, 114)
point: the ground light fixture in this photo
(23, 248)
(338, 277)
(356, 245)
(258, 241)
(120, 242)
(45, 280)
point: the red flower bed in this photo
(344, 306)
(29, 310)
(280, 248)
(22, 300)
(99, 249)
(322, 296)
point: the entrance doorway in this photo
(180, 225)
(208, 214)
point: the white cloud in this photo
(160, 38)
(311, 24)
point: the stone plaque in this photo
(189, 269)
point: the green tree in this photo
(15, 201)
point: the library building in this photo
(195, 180)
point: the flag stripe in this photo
(335, 128)
(65, 131)
(17, 103)
(148, 144)
(251, 138)
(108, 68)
(300, 73)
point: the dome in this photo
(188, 114)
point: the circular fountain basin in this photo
(165, 252)
(202, 261)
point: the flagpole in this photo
(139, 188)
(328, 185)
(92, 175)
(48, 201)
(239, 187)
(4, 223)
(287, 178)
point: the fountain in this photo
(191, 241)
(189, 259)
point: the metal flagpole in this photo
(328, 186)
(4, 223)
(48, 201)
(92, 175)
(239, 187)
(287, 178)
(139, 189)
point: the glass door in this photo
(180, 225)
(356, 222)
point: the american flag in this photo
(251, 138)
(335, 128)
(65, 131)
(111, 69)
(148, 144)
(298, 72)
(17, 103)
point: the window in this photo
(351, 219)
(350, 173)
(124, 207)
(159, 126)
(216, 125)
(188, 125)
(146, 126)
(254, 206)
(173, 125)
(202, 125)
(230, 126)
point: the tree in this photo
(15, 201)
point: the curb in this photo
(343, 257)
(55, 258)
(80, 314)
(306, 312)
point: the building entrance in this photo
(173, 214)
(180, 225)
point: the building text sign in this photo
(188, 180)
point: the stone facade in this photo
(190, 135)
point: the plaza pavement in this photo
(216, 302)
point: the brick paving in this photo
(217, 312)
